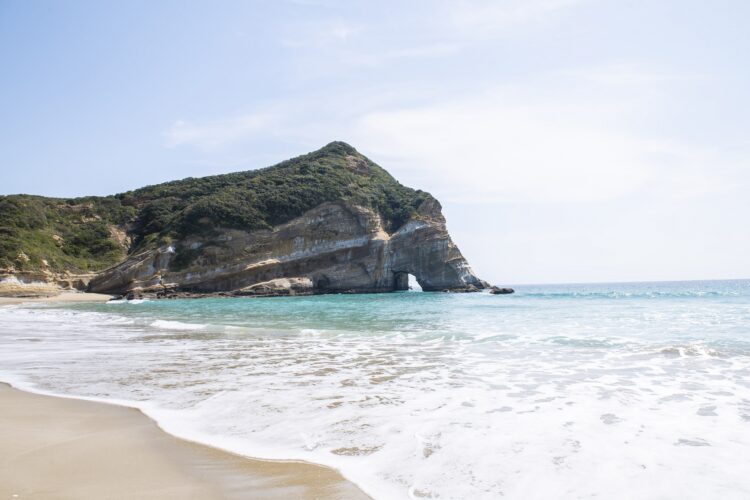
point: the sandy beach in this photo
(68, 448)
(62, 297)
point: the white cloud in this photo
(214, 134)
(503, 145)
(319, 34)
(489, 18)
(444, 29)
(342, 31)
(372, 59)
(625, 74)
(497, 148)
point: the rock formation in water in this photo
(331, 221)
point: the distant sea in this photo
(616, 391)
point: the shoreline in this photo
(61, 297)
(68, 447)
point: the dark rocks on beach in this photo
(494, 290)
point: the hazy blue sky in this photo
(568, 140)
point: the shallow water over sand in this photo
(616, 390)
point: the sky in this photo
(567, 140)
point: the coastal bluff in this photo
(331, 221)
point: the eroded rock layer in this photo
(333, 248)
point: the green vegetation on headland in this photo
(77, 235)
(93, 233)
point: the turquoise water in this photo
(638, 390)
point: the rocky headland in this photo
(331, 221)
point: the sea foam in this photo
(429, 395)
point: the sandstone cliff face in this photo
(335, 247)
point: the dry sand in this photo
(67, 448)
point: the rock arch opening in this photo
(414, 285)
(402, 280)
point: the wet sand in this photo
(68, 448)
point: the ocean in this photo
(637, 390)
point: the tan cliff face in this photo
(335, 247)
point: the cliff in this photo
(329, 221)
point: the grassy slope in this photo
(157, 214)
(31, 224)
